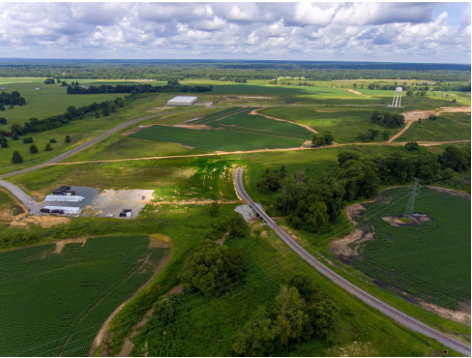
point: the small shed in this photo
(182, 101)
(37, 88)
(1, 88)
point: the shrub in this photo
(68, 139)
(237, 226)
(412, 146)
(27, 140)
(16, 158)
(325, 138)
(49, 81)
(52, 140)
(15, 136)
(213, 209)
(33, 149)
(3, 120)
(48, 148)
(4, 144)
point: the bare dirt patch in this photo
(194, 202)
(450, 191)
(176, 289)
(462, 315)
(159, 241)
(463, 109)
(350, 246)
(407, 220)
(255, 112)
(356, 92)
(43, 221)
(355, 349)
(194, 126)
(60, 244)
(222, 240)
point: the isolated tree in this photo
(49, 81)
(354, 85)
(412, 146)
(3, 120)
(289, 308)
(16, 158)
(255, 340)
(15, 136)
(4, 144)
(237, 226)
(214, 209)
(432, 117)
(106, 112)
(48, 148)
(64, 83)
(409, 93)
(52, 140)
(33, 149)
(68, 139)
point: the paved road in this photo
(398, 316)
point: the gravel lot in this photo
(247, 212)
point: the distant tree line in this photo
(11, 99)
(438, 86)
(313, 205)
(135, 89)
(161, 70)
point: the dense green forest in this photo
(237, 71)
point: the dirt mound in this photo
(357, 92)
(194, 126)
(450, 192)
(43, 221)
(407, 220)
(60, 244)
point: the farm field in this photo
(448, 126)
(208, 325)
(429, 260)
(54, 303)
(216, 140)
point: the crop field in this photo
(344, 123)
(223, 132)
(216, 140)
(448, 126)
(54, 303)
(429, 260)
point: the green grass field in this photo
(8, 207)
(448, 126)
(429, 260)
(54, 303)
(344, 123)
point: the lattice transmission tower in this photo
(414, 193)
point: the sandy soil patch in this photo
(255, 112)
(350, 246)
(410, 220)
(462, 315)
(450, 191)
(43, 221)
(256, 97)
(463, 109)
(194, 126)
(159, 241)
(356, 92)
(60, 244)
(222, 240)
(176, 289)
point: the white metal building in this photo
(182, 101)
(65, 198)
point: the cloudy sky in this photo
(396, 32)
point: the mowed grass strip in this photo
(56, 302)
(216, 140)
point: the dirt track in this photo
(254, 112)
(414, 116)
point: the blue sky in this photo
(394, 32)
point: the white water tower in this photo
(397, 97)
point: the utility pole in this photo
(414, 193)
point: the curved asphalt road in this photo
(398, 316)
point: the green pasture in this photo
(54, 303)
(8, 206)
(429, 260)
(447, 126)
(344, 123)
(216, 140)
